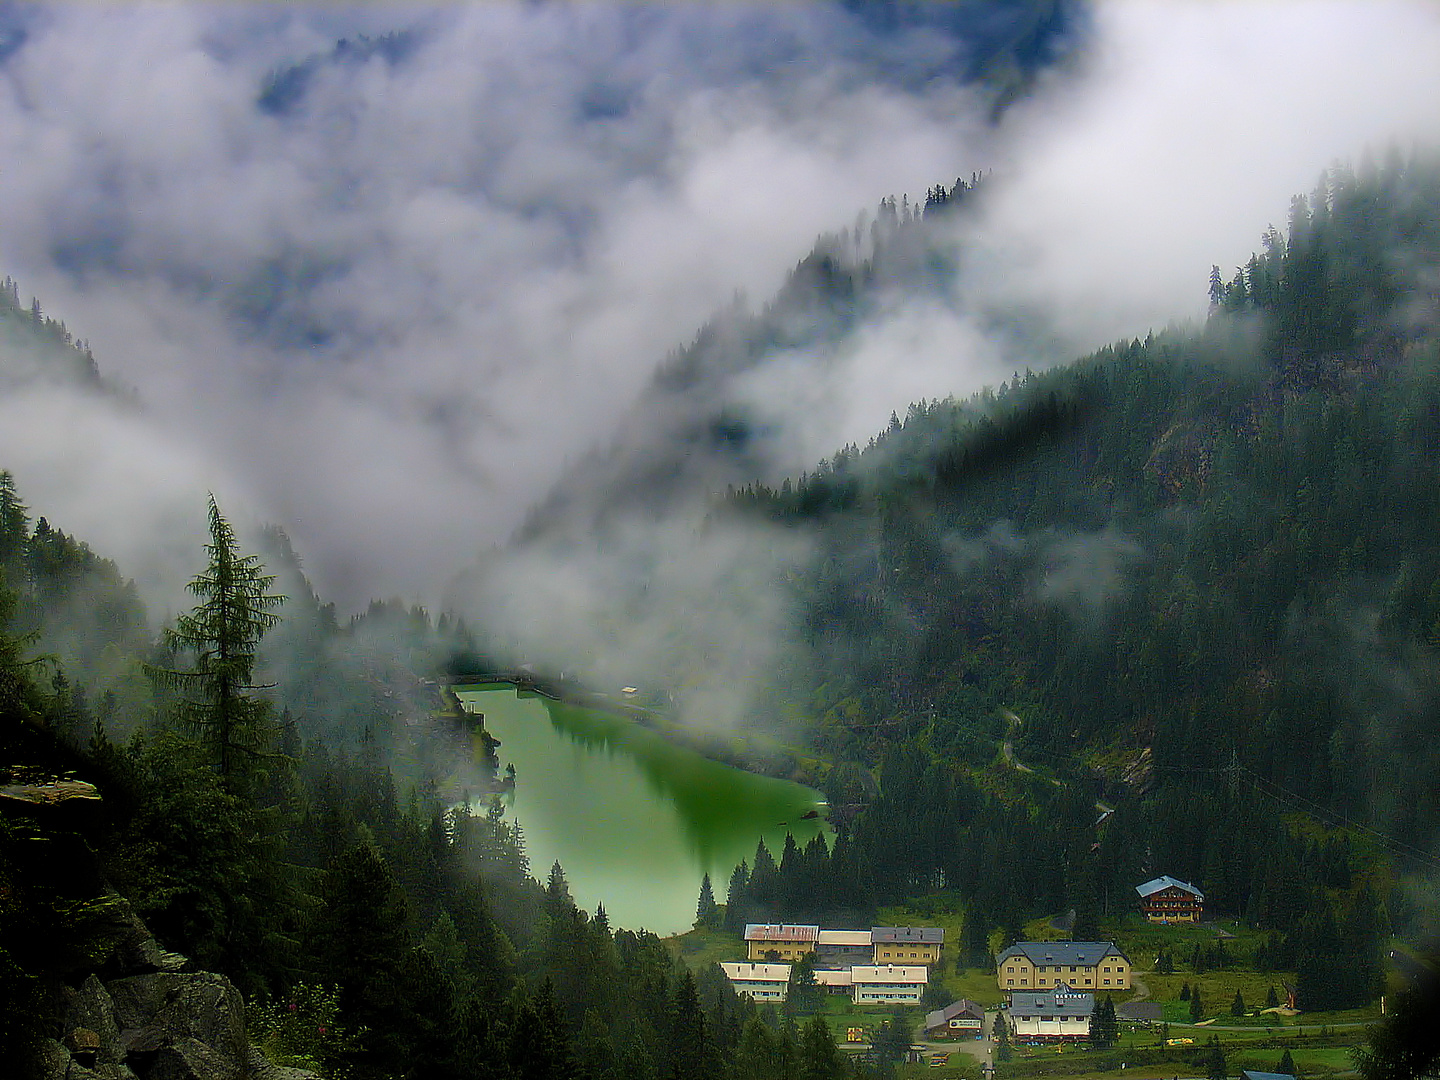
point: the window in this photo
(1107, 982)
(1009, 982)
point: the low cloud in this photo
(1082, 572)
(393, 306)
(694, 613)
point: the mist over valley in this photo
(473, 478)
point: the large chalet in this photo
(1042, 965)
(1169, 900)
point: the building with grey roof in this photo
(1061, 1013)
(1043, 965)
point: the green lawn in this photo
(701, 947)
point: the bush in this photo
(303, 1031)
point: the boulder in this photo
(133, 950)
(90, 1010)
(181, 1026)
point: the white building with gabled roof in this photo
(876, 984)
(763, 982)
(1061, 1013)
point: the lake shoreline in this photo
(777, 764)
(634, 816)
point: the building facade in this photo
(779, 941)
(959, 1020)
(907, 944)
(1044, 965)
(1061, 1013)
(841, 948)
(1170, 900)
(763, 982)
(875, 985)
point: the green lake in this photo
(634, 818)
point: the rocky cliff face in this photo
(127, 1009)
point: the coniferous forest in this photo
(1189, 584)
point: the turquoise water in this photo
(634, 819)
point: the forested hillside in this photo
(1174, 608)
(1193, 577)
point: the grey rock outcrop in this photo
(161, 1025)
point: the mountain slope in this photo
(1206, 543)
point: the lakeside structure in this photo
(1170, 900)
(1041, 965)
(869, 965)
(1059, 1014)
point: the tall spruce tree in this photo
(819, 1057)
(707, 912)
(222, 633)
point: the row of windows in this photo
(1052, 1019)
(1059, 967)
(1105, 982)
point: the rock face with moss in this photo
(108, 1001)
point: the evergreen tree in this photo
(14, 526)
(1286, 1067)
(758, 1055)
(1237, 1007)
(707, 912)
(819, 1057)
(1001, 1034)
(803, 995)
(1104, 1026)
(539, 1040)
(222, 634)
(691, 1051)
(1197, 1009)
(735, 898)
(359, 939)
(559, 904)
(890, 1043)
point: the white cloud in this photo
(495, 240)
